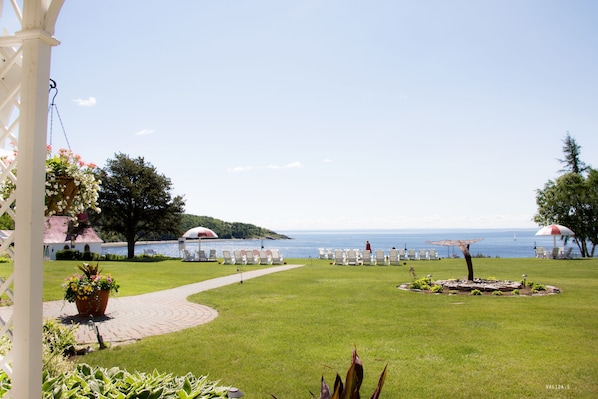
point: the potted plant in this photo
(72, 187)
(90, 290)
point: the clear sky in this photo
(335, 114)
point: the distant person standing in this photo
(368, 247)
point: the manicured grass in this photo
(134, 277)
(280, 333)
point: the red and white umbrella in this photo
(555, 230)
(199, 233)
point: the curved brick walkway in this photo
(135, 317)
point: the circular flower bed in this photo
(479, 287)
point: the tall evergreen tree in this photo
(572, 161)
(136, 202)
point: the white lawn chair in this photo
(228, 259)
(380, 258)
(276, 257)
(366, 257)
(212, 257)
(201, 256)
(393, 257)
(264, 258)
(321, 253)
(239, 257)
(352, 257)
(411, 254)
(250, 258)
(339, 257)
(567, 253)
(540, 252)
(187, 257)
(423, 255)
(433, 255)
(402, 254)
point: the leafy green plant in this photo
(423, 283)
(98, 382)
(476, 292)
(516, 292)
(437, 288)
(537, 287)
(497, 293)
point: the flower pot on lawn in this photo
(94, 305)
(90, 291)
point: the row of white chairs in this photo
(378, 257)
(556, 253)
(252, 257)
(199, 256)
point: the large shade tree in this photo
(136, 201)
(572, 199)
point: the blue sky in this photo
(335, 114)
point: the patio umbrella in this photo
(200, 232)
(555, 230)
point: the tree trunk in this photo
(469, 266)
(467, 255)
(130, 248)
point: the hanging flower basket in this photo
(72, 187)
(62, 201)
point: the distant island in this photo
(225, 230)
(229, 230)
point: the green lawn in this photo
(280, 333)
(134, 277)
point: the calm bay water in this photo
(503, 243)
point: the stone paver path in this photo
(132, 318)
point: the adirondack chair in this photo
(228, 259)
(276, 257)
(393, 257)
(339, 257)
(366, 257)
(380, 258)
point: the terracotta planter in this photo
(94, 305)
(68, 190)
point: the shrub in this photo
(536, 287)
(64, 379)
(497, 293)
(516, 292)
(476, 292)
(437, 288)
(421, 284)
(68, 254)
(113, 257)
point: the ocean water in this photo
(503, 243)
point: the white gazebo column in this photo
(39, 17)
